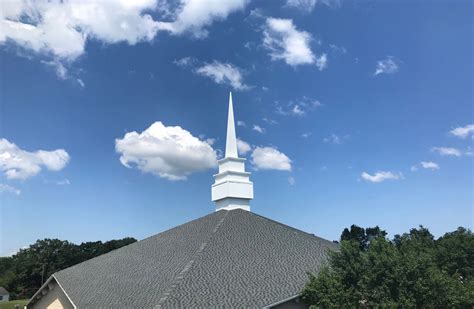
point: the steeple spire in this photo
(231, 142)
(232, 188)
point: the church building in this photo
(231, 258)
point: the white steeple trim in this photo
(232, 188)
(231, 141)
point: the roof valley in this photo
(189, 265)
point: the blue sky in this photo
(350, 112)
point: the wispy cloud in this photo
(335, 139)
(381, 176)
(308, 6)
(426, 165)
(80, 82)
(9, 189)
(58, 66)
(463, 132)
(298, 107)
(388, 65)
(185, 62)
(258, 128)
(223, 73)
(269, 121)
(447, 151)
(338, 49)
(63, 182)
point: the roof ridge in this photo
(188, 265)
(292, 228)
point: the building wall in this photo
(54, 299)
(4, 298)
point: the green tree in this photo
(362, 236)
(412, 271)
(23, 273)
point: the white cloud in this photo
(386, 66)
(185, 62)
(241, 123)
(381, 176)
(430, 165)
(269, 121)
(223, 73)
(426, 165)
(298, 107)
(80, 82)
(291, 181)
(59, 68)
(447, 151)
(334, 139)
(62, 28)
(338, 49)
(269, 158)
(297, 110)
(463, 132)
(308, 5)
(9, 189)
(63, 182)
(168, 152)
(16, 163)
(303, 5)
(322, 62)
(243, 147)
(193, 15)
(285, 42)
(306, 135)
(257, 128)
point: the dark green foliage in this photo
(362, 236)
(23, 273)
(412, 271)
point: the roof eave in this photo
(282, 301)
(44, 286)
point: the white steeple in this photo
(232, 188)
(231, 141)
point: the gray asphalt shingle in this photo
(226, 259)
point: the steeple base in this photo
(232, 203)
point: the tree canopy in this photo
(412, 270)
(23, 273)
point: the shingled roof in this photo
(230, 258)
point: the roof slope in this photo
(3, 291)
(227, 259)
